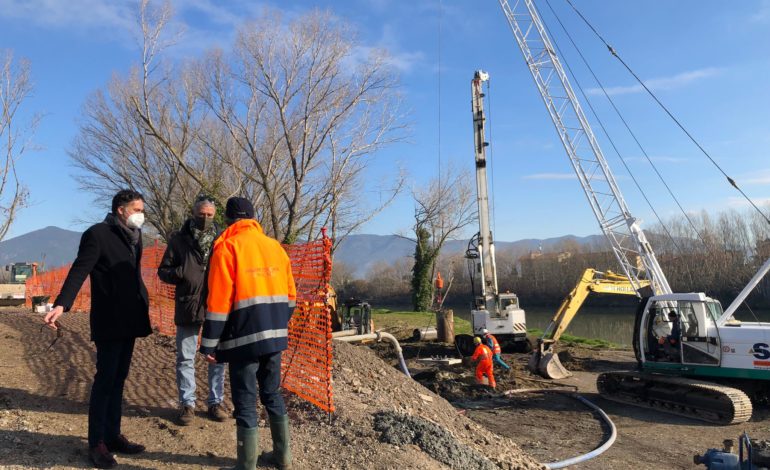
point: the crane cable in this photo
(609, 138)
(438, 79)
(633, 135)
(677, 247)
(666, 110)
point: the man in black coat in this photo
(184, 265)
(111, 253)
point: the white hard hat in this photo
(484, 331)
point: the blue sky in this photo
(707, 60)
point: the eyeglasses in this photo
(59, 334)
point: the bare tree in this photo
(306, 116)
(443, 209)
(15, 88)
(289, 119)
(142, 132)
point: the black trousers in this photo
(245, 378)
(113, 359)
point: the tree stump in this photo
(445, 326)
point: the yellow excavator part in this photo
(544, 360)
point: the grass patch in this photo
(570, 339)
(402, 323)
(405, 322)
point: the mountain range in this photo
(362, 252)
(49, 247)
(54, 246)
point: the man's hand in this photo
(211, 359)
(52, 316)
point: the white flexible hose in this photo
(580, 458)
(599, 450)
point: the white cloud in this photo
(659, 84)
(551, 176)
(117, 20)
(739, 202)
(761, 177)
(762, 15)
(214, 11)
(81, 14)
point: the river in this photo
(611, 324)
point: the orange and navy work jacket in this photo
(491, 341)
(482, 354)
(251, 295)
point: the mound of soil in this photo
(44, 401)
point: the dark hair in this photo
(124, 197)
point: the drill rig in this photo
(491, 310)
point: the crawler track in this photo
(694, 399)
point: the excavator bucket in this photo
(534, 361)
(545, 362)
(550, 367)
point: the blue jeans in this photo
(244, 378)
(186, 349)
(105, 407)
(497, 359)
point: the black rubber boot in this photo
(280, 457)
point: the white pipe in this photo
(598, 450)
(580, 458)
(380, 336)
(429, 333)
(744, 293)
(339, 334)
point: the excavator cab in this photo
(20, 272)
(357, 315)
(681, 328)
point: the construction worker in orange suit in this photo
(484, 355)
(491, 342)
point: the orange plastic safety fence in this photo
(307, 364)
(49, 284)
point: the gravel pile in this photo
(366, 387)
(399, 429)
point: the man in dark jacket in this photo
(111, 253)
(184, 265)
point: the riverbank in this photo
(401, 324)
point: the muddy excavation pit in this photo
(549, 426)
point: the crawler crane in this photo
(716, 357)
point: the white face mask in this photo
(135, 220)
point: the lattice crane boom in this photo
(622, 230)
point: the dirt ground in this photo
(383, 419)
(552, 427)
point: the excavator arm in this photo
(544, 359)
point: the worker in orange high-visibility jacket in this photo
(251, 297)
(484, 355)
(491, 342)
